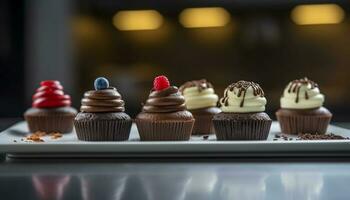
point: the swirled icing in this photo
(165, 101)
(105, 100)
(199, 94)
(50, 95)
(302, 94)
(243, 97)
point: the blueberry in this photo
(101, 83)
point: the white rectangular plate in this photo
(70, 146)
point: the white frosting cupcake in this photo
(243, 116)
(199, 94)
(243, 97)
(302, 109)
(302, 94)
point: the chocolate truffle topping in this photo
(106, 100)
(164, 101)
(242, 87)
(295, 86)
(200, 84)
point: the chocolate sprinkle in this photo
(309, 136)
(331, 136)
(297, 84)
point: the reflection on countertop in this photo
(178, 180)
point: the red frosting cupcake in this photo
(50, 111)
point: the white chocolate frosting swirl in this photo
(302, 94)
(196, 99)
(243, 97)
(199, 94)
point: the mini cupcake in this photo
(242, 116)
(164, 115)
(102, 116)
(50, 111)
(201, 101)
(301, 109)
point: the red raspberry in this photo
(161, 83)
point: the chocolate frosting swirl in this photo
(106, 100)
(165, 101)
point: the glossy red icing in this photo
(49, 95)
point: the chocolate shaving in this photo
(331, 136)
(309, 136)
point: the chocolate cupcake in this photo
(50, 111)
(302, 109)
(242, 116)
(102, 116)
(201, 101)
(164, 115)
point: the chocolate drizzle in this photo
(106, 100)
(242, 87)
(294, 87)
(200, 84)
(164, 101)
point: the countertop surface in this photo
(263, 178)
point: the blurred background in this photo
(130, 42)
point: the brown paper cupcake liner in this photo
(203, 125)
(49, 124)
(103, 130)
(164, 130)
(304, 124)
(242, 129)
